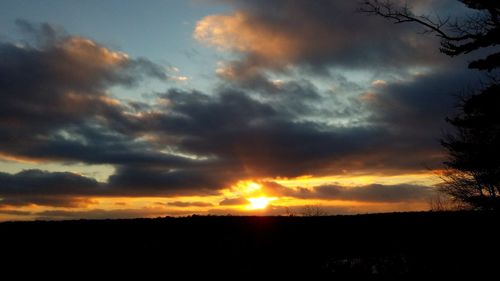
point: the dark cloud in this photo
(137, 181)
(14, 212)
(61, 200)
(232, 136)
(248, 135)
(63, 189)
(58, 189)
(414, 111)
(233, 201)
(366, 193)
(296, 97)
(420, 104)
(376, 193)
(315, 35)
(96, 145)
(55, 106)
(184, 204)
(53, 94)
(242, 133)
(50, 183)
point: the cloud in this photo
(184, 204)
(216, 140)
(246, 137)
(62, 201)
(422, 102)
(315, 35)
(366, 193)
(63, 189)
(57, 189)
(54, 90)
(69, 190)
(107, 214)
(239, 32)
(139, 181)
(233, 201)
(55, 105)
(201, 143)
(415, 110)
(30, 181)
(377, 193)
(14, 212)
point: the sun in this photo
(259, 203)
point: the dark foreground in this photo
(406, 246)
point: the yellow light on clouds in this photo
(246, 187)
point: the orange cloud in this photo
(280, 35)
(92, 53)
(238, 33)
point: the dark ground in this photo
(401, 246)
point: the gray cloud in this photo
(184, 204)
(137, 181)
(51, 93)
(315, 35)
(233, 201)
(235, 136)
(366, 193)
(49, 183)
(63, 189)
(59, 189)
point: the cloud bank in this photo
(57, 105)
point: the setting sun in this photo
(259, 202)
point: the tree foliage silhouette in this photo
(473, 165)
(472, 173)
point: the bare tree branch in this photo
(476, 30)
(388, 10)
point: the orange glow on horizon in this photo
(251, 197)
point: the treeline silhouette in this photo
(399, 246)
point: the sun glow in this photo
(259, 203)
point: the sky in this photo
(123, 109)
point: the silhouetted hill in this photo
(400, 246)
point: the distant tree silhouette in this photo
(313, 211)
(442, 202)
(472, 173)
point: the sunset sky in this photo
(122, 108)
